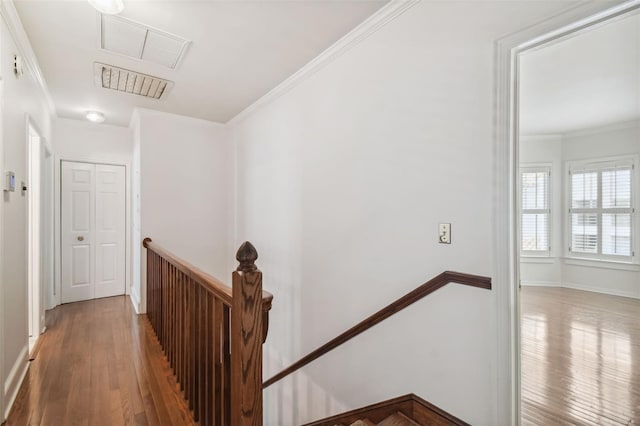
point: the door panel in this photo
(110, 230)
(80, 261)
(78, 216)
(93, 231)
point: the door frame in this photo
(58, 219)
(35, 308)
(567, 23)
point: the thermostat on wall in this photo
(10, 182)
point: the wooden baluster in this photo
(202, 341)
(149, 286)
(218, 339)
(226, 365)
(187, 327)
(192, 347)
(183, 328)
(209, 357)
(180, 328)
(172, 322)
(246, 341)
(169, 313)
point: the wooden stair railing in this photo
(384, 313)
(211, 334)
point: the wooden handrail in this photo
(214, 285)
(384, 313)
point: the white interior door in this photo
(93, 231)
(110, 231)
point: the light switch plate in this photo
(444, 233)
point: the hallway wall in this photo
(182, 192)
(341, 184)
(21, 96)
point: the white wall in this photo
(341, 184)
(20, 97)
(184, 171)
(618, 139)
(83, 141)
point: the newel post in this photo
(246, 340)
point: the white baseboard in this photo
(582, 287)
(540, 284)
(15, 378)
(135, 300)
(611, 292)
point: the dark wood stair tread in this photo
(398, 419)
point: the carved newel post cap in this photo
(247, 256)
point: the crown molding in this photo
(607, 128)
(371, 25)
(16, 29)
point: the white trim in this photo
(541, 284)
(15, 379)
(16, 29)
(506, 266)
(371, 25)
(602, 264)
(57, 206)
(135, 299)
(582, 287)
(597, 164)
(623, 125)
(2, 343)
(537, 259)
(601, 290)
(536, 168)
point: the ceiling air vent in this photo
(122, 80)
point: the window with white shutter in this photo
(535, 210)
(601, 210)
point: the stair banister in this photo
(211, 334)
(425, 289)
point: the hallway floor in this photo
(580, 358)
(99, 364)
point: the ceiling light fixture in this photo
(108, 7)
(95, 116)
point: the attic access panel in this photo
(138, 41)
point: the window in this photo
(535, 210)
(601, 210)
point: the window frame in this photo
(536, 168)
(599, 165)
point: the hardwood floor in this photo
(580, 358)
(99, 364)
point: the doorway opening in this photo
(576, 139)
(39, 229)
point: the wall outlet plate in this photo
(444, 233)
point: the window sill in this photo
(605, 264)
(537, 259)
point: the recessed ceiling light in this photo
(95, 116)
(108, 7)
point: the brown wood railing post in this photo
(246, 340)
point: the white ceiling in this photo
(586, 81)
(240, 50)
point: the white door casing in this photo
(93, 231)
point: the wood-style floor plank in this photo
(99, 364)
(580, 358)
